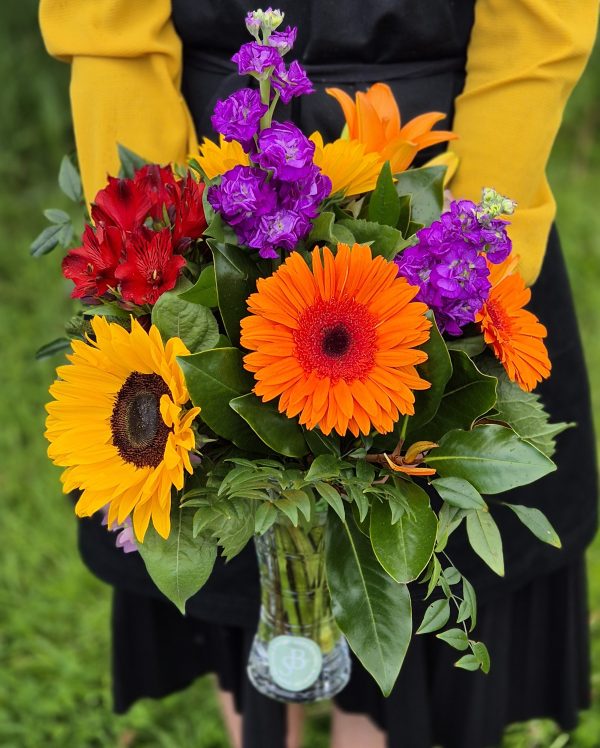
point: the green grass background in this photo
(54, 643)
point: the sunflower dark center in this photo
(336, 341)
(138, 430)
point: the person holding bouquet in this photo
(148, 76)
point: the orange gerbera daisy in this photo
(515, 334)
(337, 344)
(373, 119)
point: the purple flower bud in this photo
(254, 58)
(286, 151)
(291, 82)
(283, 41)
(237, 117)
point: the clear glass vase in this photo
(298, 653)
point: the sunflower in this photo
(217, 159)
(515, 334)
(352, 171)
(373, 119)
(117, 424)
(337, 344)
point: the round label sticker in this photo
(294, 662)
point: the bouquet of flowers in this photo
(294, 342)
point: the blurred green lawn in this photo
(54, 644)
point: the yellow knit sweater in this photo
(524, 58)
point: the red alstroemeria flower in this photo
(159, 185)
(190, 220)
(150, 267)
(92, 266)
(123, 203)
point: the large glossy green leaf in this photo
(468, 395)
(204, 291)
(385, 240)
(523, 411)
(437, 370)
(493, 458)
(193, 323)
(405, 547)
(484, 537)
(384, 203)
(236, 276)
(280, 433)
(213, 379)
(426, 186)
(181, 564)
(372, 610)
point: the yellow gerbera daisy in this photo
(118, 427)
(217, 159)
(352, 171)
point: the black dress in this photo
(534, 620)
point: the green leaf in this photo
(537, 522)
(280, 433)
(69, 180)
(437, 370)
(472, 346)
(193, 323)
(468, 606)
(436, 616)
(181, 564)
(468, 395)
(46, 241)
(360, 501)
(405, 547)
(483, 656)
(365, 472)
(324, 466)
(372, 610)
(57, 216)
(485, 540)
(204, 291)
(492, 458)
(404, 217)
(459, 492)
(322, 228)
(385, 240)
(332, 497)
(300, 499)
(130, 161)
(452, 575)
(319, 444)
(449, 518)
(266, 516)
(523, 411)
(436, 570)
(468, 662)
(456, 638)
(426, 187)
(236, 276)
(384, 205)
(213, 378)
(50, 349)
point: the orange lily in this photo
(373, 119)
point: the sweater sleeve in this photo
(125, 57)
(524, 58)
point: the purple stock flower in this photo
(283, 41)
(256, 58)
(497, 242)
(244, 193)
(286, 151)
(237, 117)
(291, 82)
